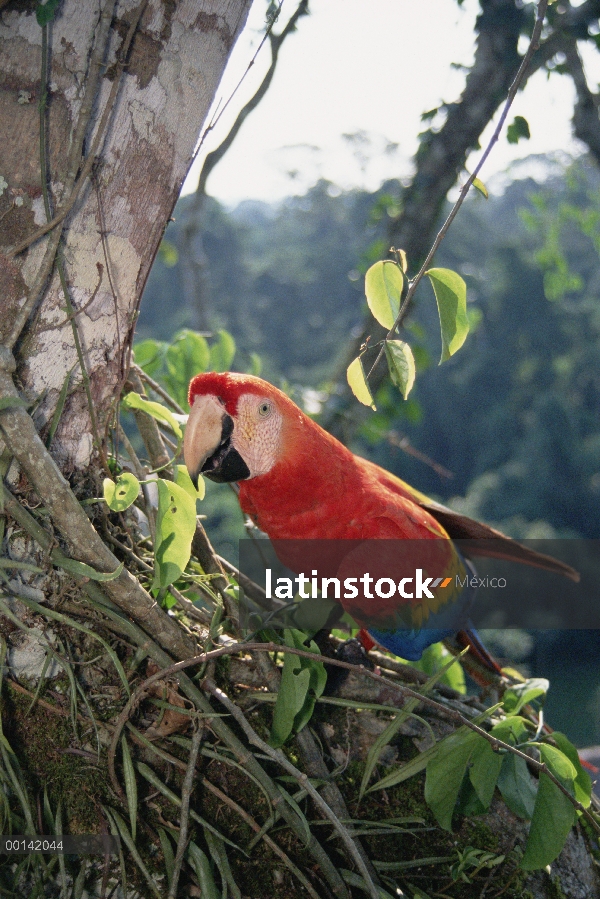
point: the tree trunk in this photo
(128, 88)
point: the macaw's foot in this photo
(353, 652)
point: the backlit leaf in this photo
(384, 283)
(519, 695)
(187, 355)
(583, 781)
(451, 296)
(401, 364)
(184, 480)
(175, 527)
(120, 494)
(358, 383)
(156, 410)
(480, 186)
(148, 354)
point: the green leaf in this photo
(120, 494)
(167, 850)
(302, 682)
(437, 674)
(156, 410)
(201, 865)
(184, 480)
(255, 364)
(358, 383)
(130, 785)
(402, 260)
(384, 283)
(445, 773)
(45, 12)
(451, 296)
(222, 352)
(312, 614)
(468, 803)
(512, 730)
(484, 771)
(518, 128)
(175, 527)
(480, 186)
(517, 786)
(83, 570)
(583, 781)
(168, 254)
(519, 695)
(401, 364)
(554, 814)
(187, 355)
(436, 660)
(148, 354)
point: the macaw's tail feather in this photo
(492, 544)
(479, 663)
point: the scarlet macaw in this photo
(297, 482)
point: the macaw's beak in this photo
(207, 447)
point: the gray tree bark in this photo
(123, 111)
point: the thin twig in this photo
(217, 116)
(186, 792)
(276, 40)
(227, 800)
(162, 393)
(533, 44)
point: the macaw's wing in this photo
(412, 577)
(489, 542)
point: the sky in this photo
(367, 68)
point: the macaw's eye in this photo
(265, 409)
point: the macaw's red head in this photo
(237, 426)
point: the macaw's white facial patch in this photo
(257, 433)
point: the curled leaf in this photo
(480, 186)
(175, 527)
(358, 383)
(156, 410)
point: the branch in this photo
(186, 791)
(276, 41)
(586, 120)
(512, 93)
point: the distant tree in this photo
(454, 130)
